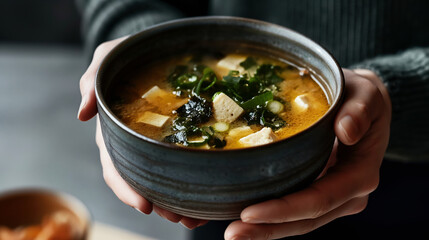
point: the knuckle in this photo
(323, 204)
(107, 176)
(86, 80)
(98, 141)
(308, 226)
(360, 206)
(372, 184)
(268, 235)
(83, 81)
(371, 90)
(102, 48)
(362, 109)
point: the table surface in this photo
(43, 144)
(101, 231)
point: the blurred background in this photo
(42, 144)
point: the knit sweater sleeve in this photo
(406, 76)
(109, 19)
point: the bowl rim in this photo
(268, 27)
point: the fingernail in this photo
(82, 104)
(190, 228)
(349, 128)
(252, 220)
(138, 210)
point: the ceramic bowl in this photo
(217, 184)
(30, 207)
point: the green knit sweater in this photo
(389, 37)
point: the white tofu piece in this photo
(153, 119)
(263, 136)
(240, 132)
(154, 92)
(163, 99)
(225, 109)
(231, 62)
(301, 102)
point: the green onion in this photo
(275, 106)
(215, 95)
(197, 143)
(221, 127)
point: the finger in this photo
(88, 106)
(188, 222)
(192, 223)
(344, 182)
(118, 185)
(240, 230)
(173, 217)
(361, 107)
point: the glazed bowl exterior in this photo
(217, 184)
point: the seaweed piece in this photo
(177, 137)
(260, 116)
(196, 110)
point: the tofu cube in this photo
(301, 102)
(153, 119)
(164, 100)
(240, 132)
(155, 92)
(231, 62)
(263, 136)
(225, 109)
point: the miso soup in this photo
(217, 101)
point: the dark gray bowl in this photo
(217, 184)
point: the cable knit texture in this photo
(390, 37)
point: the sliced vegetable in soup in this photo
(207, 101)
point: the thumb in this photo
(360, 108)
(88, 105)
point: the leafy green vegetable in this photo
(240, 87)
(177, 72)
(208, 75)
(213, 139)
(269, 119)
(251, 92)
(264, 118)
(268, 74)
(248, 63)
(195, 79)
(209, 137)
(196, 111)
(259, 100)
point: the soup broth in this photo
(219, 100)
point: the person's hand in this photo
(87, 110)
(352, 173)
